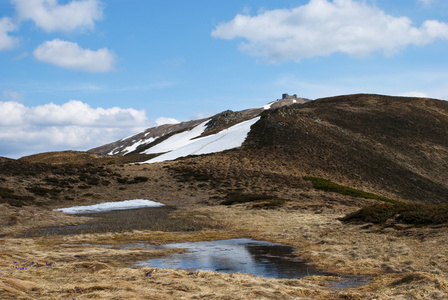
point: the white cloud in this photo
(69, 55)
(203, 115)
(7, 42)
(415, 94)
(321, 28)
(51, 16)
(162, 121)
(11, 113)
(73, 125)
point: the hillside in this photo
(395, 146)
(345, 180)
(143, 141)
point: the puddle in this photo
(235, 255)
(258, 258)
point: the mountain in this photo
(395, 146)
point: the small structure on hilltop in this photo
(287, 96)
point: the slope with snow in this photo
(178, 140)
(186, 143)
(134, 146)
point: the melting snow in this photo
(134, 146)
(268, 106)
(178, 140)
(183, 144)
(108, 206)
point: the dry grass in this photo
(405, 262)
(153, 218)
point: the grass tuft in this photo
(329, 186)
(260, 201)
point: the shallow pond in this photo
(235, 255)
(259, 258)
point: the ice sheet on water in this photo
(108, 206)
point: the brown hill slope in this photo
(394, 146)
(398, 145)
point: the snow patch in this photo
(134, 146)
(181, 146)
(268, 106)
(108, 206)
(178, 140)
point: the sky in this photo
(76, 74)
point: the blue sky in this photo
(78, 74)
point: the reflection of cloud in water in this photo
(237, 255)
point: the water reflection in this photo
(236, 255)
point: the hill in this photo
(332, 177)
(394, 146)
(144, 141)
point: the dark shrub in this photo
(122, 180)
(40, 191)
(93, 181)
(258, 200)
(138, 179)
(377, 213)
(407, 213)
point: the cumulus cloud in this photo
(73, 125)
(162, 121)
(7, 42)
(69, 55)
(51, 16)
(322, 27)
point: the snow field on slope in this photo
(134, 146)
(183, 144)
(178, 140)
(109, 206)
